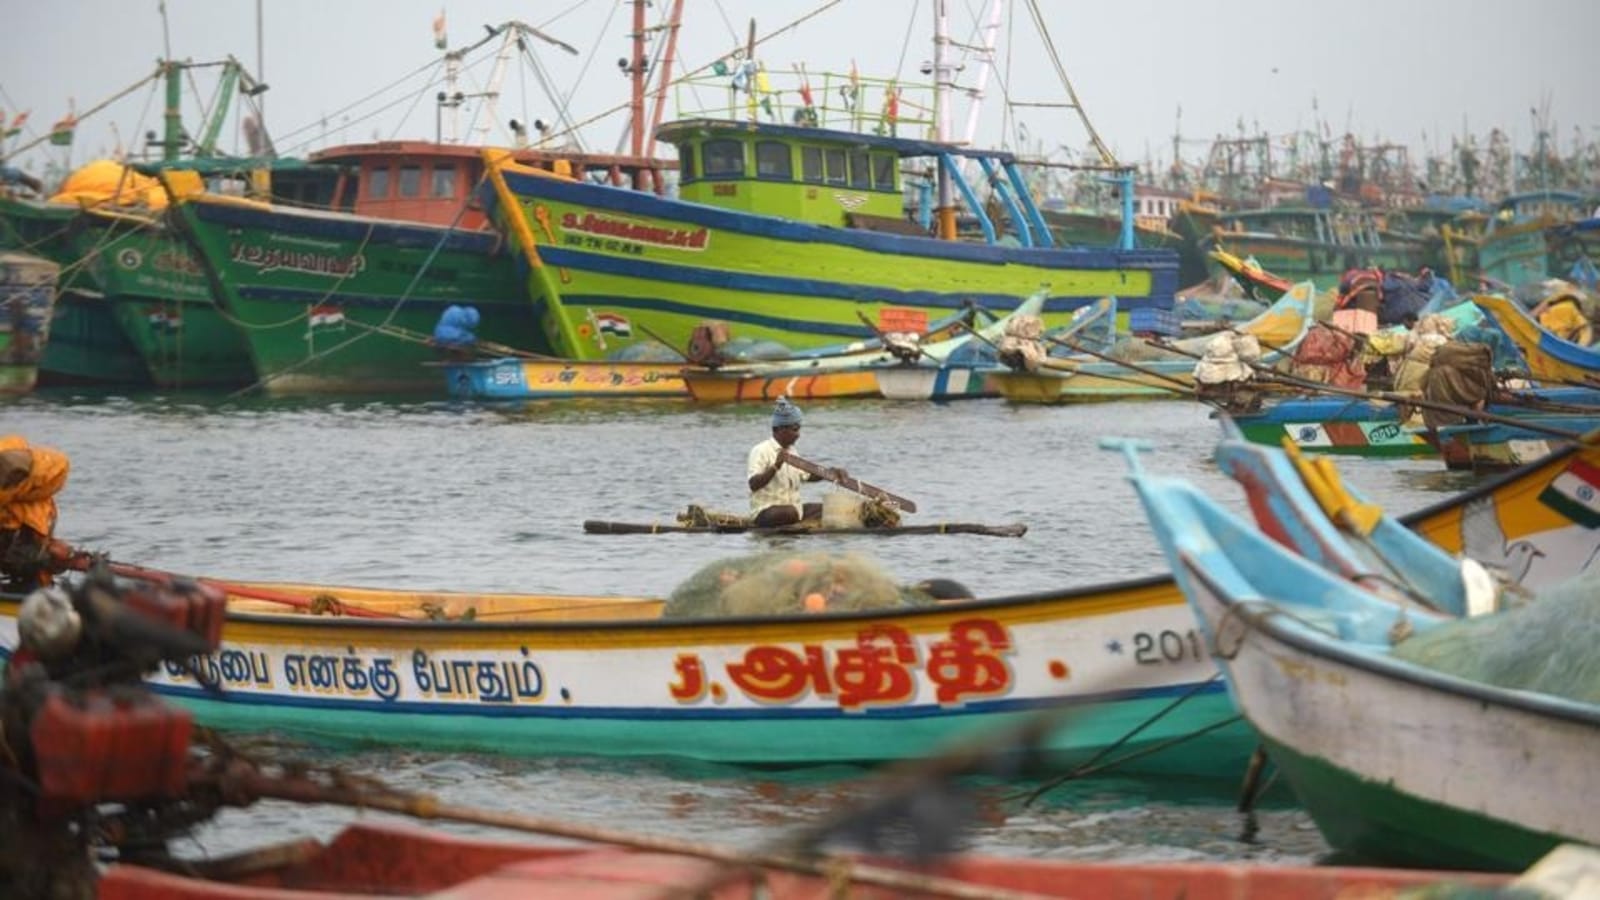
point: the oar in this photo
(663, 341)
(1183, 386)
(82, 562)
(850, 484)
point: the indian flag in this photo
(611, 323)
(326, 317)
(1575, 493)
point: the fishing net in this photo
(778, 583)
(1545, 646)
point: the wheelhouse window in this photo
(883, 171)
(378, 184)
(811, 164)
(774, 161)
(723, 159)
(444, 181)
(836, 167)
(686, 171)
(410, 181)
(860, 173)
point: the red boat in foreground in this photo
(371, 859)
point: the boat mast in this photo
(172, 116)
(942, 80)
(985, 50)
(664, 77)
(636, 68)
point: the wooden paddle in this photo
(850, 484)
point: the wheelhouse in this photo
(842, 179)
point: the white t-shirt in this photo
(783, 489)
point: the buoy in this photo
(816, 603)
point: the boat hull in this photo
(857, 688)
(934, 383)
(550, 379)
(332, 303)
(711, 386)
(1393, 800)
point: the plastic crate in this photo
(1154, 321)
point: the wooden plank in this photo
(598, 526)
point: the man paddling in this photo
(774, 485)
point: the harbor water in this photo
(430, 494)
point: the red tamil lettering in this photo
(972, 662)
(780, 675)
(874, 671)
(691, 684)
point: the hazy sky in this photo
(1406, 71)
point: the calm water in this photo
(436, 495)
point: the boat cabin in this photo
(420, 181)
(835, 178)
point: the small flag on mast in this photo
(439, 39)
(15, 128)
(61, 131)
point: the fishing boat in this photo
(27, 297)
(89, 345)
(842, 370)
(1362, 426)
(1317, 244)
(344, 297)
(369, 858)
(789, 231)
(138, 306)
(862, 373)
(1318, 665)
(609, 676)
(1514, 249)
(524, 378)
(95, 741)
(1155, 371)
(1549, 358)
(963, 370)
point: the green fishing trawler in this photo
(340, 292)
(795, 231)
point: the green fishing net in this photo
(1546, 646)
(777, 582)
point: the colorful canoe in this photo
(518, 378)
(1155, 375)
(963, 371)
(373, 859)
(608, 676)
(1549, 358)
(1351, 426)
(855, 372)
(769, 239)
(1396, 762)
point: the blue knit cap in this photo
(785, 413)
